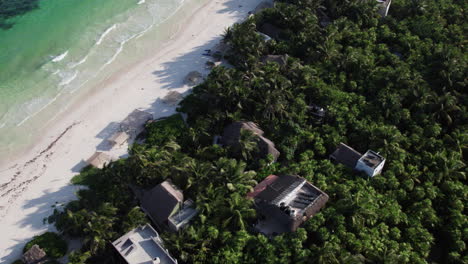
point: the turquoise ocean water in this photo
(57, 50)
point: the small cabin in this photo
(370, 163)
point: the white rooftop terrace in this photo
(142, 245)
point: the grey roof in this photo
(279, 188)
(35, 255)
(346, 155)
(143, 245)
(232, 135)
(280, 59)
(287, 201)
(162, 201)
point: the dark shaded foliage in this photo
(12, 8)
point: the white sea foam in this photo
(141, 2)
(73, 65)
(60, 57)
(103, 35)
(68, 79)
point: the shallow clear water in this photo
(61, 47)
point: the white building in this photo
(371, 162)
(143, 245)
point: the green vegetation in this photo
(396, 85)
(52, 244)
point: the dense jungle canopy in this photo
(396, 85)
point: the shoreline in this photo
(83, 128)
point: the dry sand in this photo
(30, 187)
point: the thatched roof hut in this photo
(35, 255)
(119, 138)
(172, 98)
(193, 78)
(135, 121)
(232, 135)
(99, 159)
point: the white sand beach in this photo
(32, 185)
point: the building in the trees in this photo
(232, 137)
(35, 255)
(143, 245)
(371, 162)
(384, 6)
(165, 206)
(285, 202)
(318, 113)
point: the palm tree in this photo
(247, 143)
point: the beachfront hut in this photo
(135, 122)
(143, 245)
(35, 255)
(280, 59)
(193, 78)
(172, 98)
(99, 159)
(232, 135)
(285, 202)
(119, 138)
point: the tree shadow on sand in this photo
(43, 208)
(173, 72)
